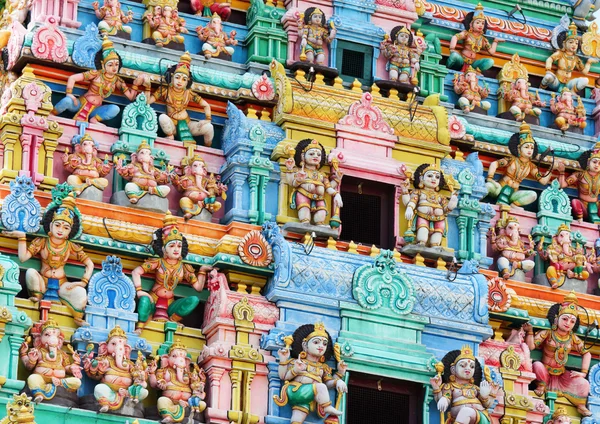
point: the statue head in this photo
(314, 340)
(85, 144)
(168, 242)
(510, 227)
(168, 12)
(565, 316)
(461, 364)
(20, 409)
(521, 84)
(310, 152)
(157, 10)
(476, 21)
(429, 176)
(522, 144)
(107, 59)
(402, 36)
(560, 416)
(116, 345)
(215, 22)
(143, 153)
(176, 357)
(566, 96)
(314, 15)
(590, 160)
(568, 39)
(179, 76)
(49, 336)
(111, 3)
(563, 235)
(62, 221)
(194, 165)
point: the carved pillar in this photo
(68, 15)
(214, 377)
(260, 170)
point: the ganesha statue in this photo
(86, 168)
(112, 18)
(462, 388)
(199, 189)
(522, 102)
(308, 378)
(166, 26)
(181, 385)
(563, 259)
(216, 41)
(567, 114)
(513, 262)
(53, 369)
(144, 178)
(115, 371)
(472, 95)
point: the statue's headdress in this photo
(143, 145)
(177, 345)
(189, 160)
(317, 11)
(595, 152)
(569, 306)
(478, 13)
(562, 227)
(117, 332)
(525, 134)
(314, 144)
(572, 32)
(49, 323)
(465, 353)
(319, 331)
(108, 51)
(66, 211)
(170, 232)
(185, 64)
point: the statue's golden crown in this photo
(561, 228)
(570, 305)
(144, 145)
(49, 323)
(525, 134)
(117, 332)
(108, 50)
(314, 144)
(465, 353)
(478, 13)
(185, 64)
(189, 160)
(66, 211)
(319, 331)
(177, 345)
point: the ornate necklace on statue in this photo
(56, 258)
(561, 354)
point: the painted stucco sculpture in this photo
(15, 11)
(566, 60)
(567, 114)
(52, 368)
(171, 248)
(144, 178)
(426, 208)
(461, 389)
(514, 253)
(517, 167)
(472, 94)
(115, 370)
(112, 18)
(62, 222)
(302, 365)
(474, 41)
(181, 385)
(587, 182)
(563, 258)
(310, 184)
(20, 209)
(86, 168)
(556, 345)
(177, 95)
(315, 32)
(103, 82)
(166, 26)
(19, 410)
(522, 102)
(215, 39)
(403, 59)
(200, 189)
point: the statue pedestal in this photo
(149, 202)
(321, 231)
(62, 398)
(91, 193)
(429, 252)
(519, 275)
(580, 286)
(401, 87)
(204, 216)
(327, 72)
(129, 409)
(172, 45)
(530, 119)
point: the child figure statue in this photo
(307, 377)
(314, 33)
(403, 62)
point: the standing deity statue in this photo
(307, 376)
(556, 344)
(103, 83)
(522, 102)
(462, 388)
(567, 114)
(171, 248)
(404, 62)
(62, 222)
(115, 370)
(180, 386)
(426, 208)
(517, 167)
(471, 93)
(50, 364)
(177, 95)
(87, 169)
(144, 177)
(562, 257)
(216, 41)
(310, 184)
(314, 33)
(567, 61)
(167, 26)
(199, 190)
(513, 253)
(474, 41)
(587, 183)
(112, 18)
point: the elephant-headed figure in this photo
(179, 385)
(114, 369)
(50, 364)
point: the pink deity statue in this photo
(308, 379)
(556, 344)
(587, 183)
(426, 208)
(562, 257)
(403, 63)
(167, 27)
(87, 169)
(180, 387)
(216, 41)
(144, 177)
(112, 18)
(50, 364)
(460, 388)
(314, 34)
(200, 190)
(310, 184)
(115, 371)
(567, 114)
(513, 253)
(472, 95)
(62, 222)
(522, 102)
